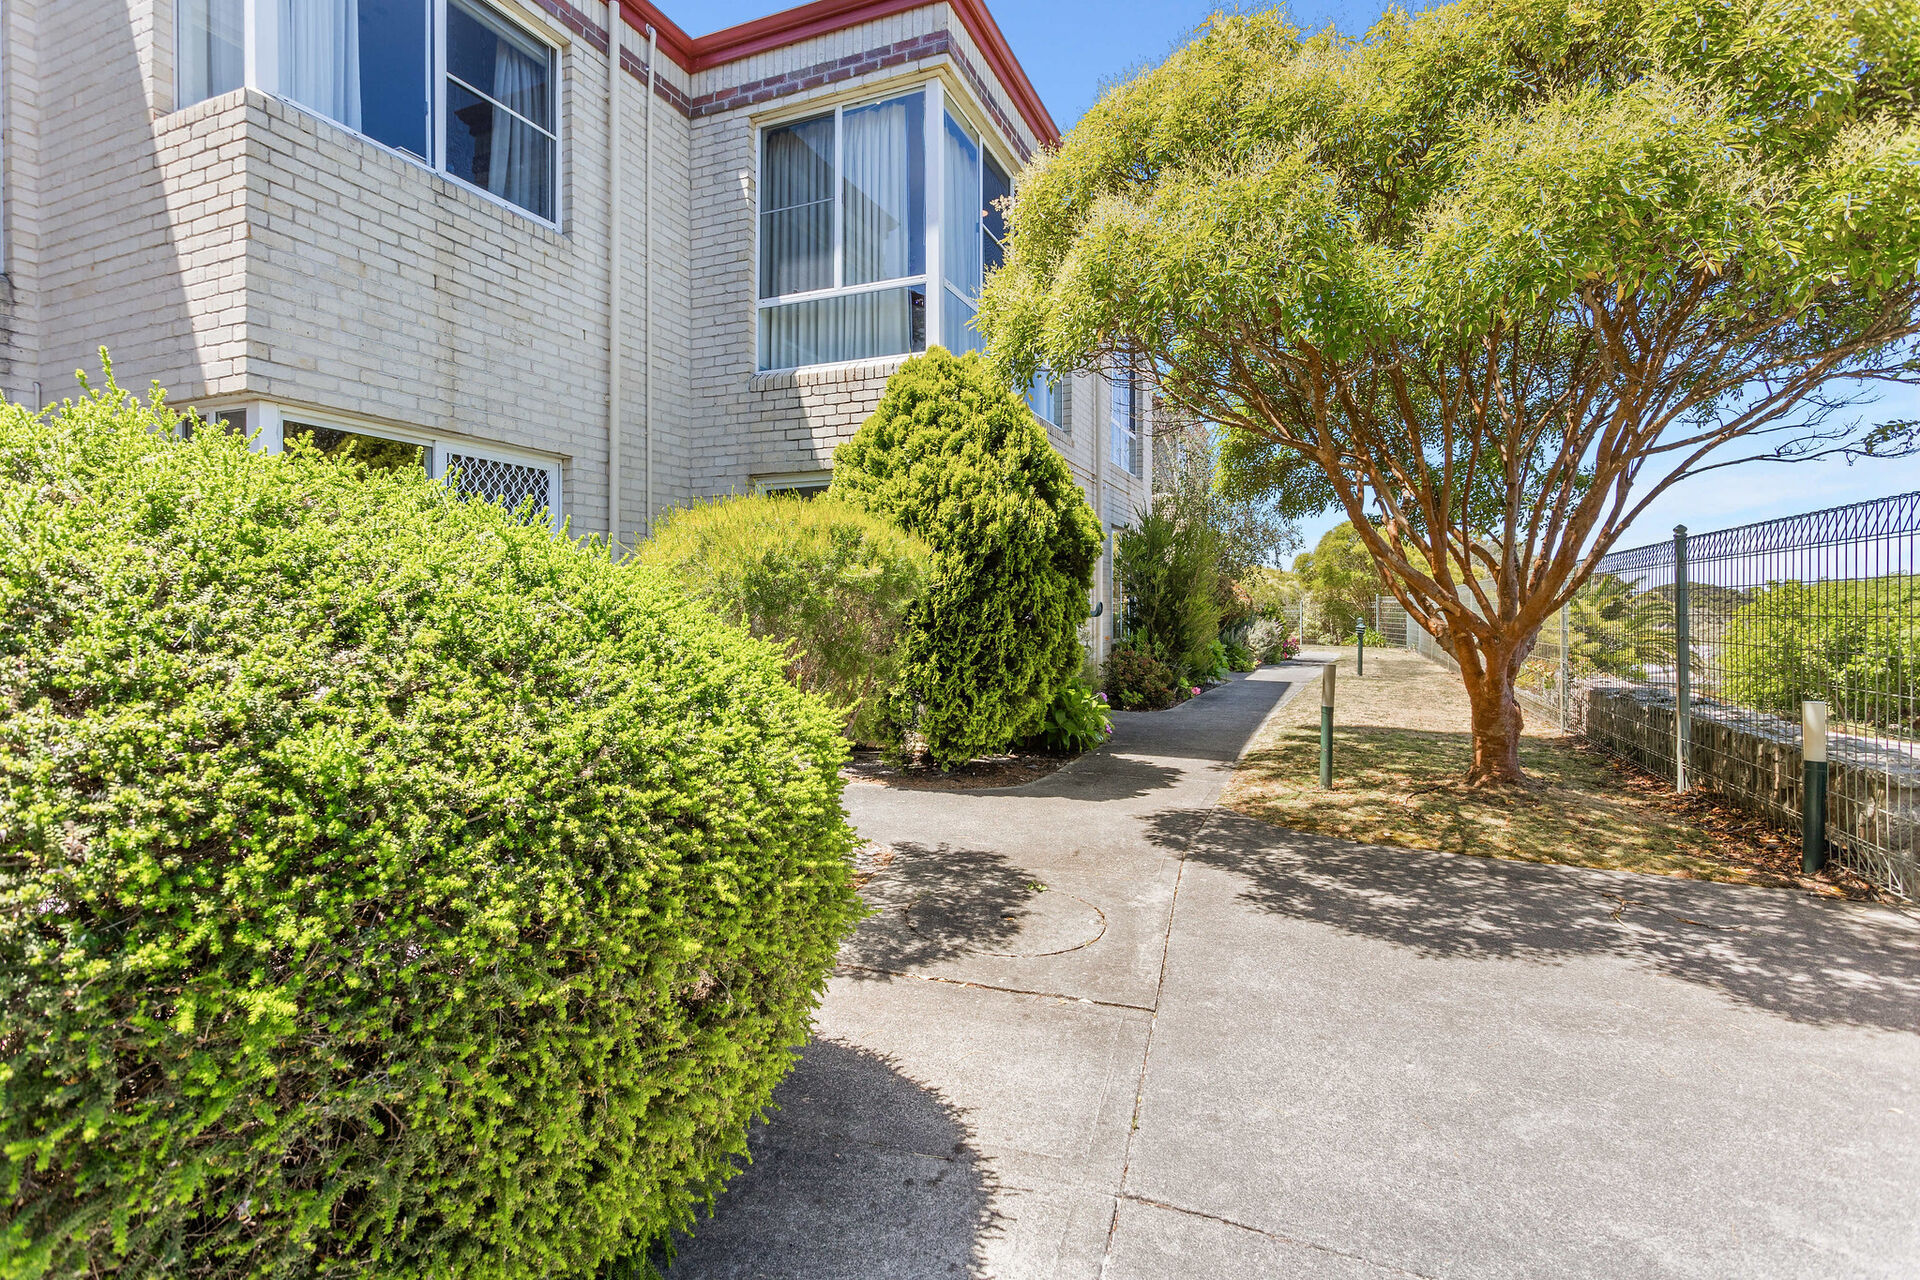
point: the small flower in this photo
(1196, 691)
(1102, 695)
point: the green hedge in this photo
(1854, 643)
(830, 584)
(957, 458)
(387, 887)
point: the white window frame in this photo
(792, 482)
(266, 433)
(261, 42)
(1125, 432)
(939, 103)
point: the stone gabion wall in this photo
(1752, 760)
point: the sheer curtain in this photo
(516, 170)
(212, 56)
(882, 226)
(960, 241)
(320, 57)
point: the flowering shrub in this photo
(1138, 681)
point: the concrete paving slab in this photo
(1151, 1242)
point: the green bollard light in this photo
(1360, 647)
(1326, 727)
(1813, 798)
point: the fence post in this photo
(1682, 664)
(1326, 727)
(1566, 694)
(1813, 796)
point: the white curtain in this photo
(960, 242)
(320, 57)
(212, 57)
(796, 201)
(857, 326)
(878, 147)
(517, 164)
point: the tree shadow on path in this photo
(934, 903)
(1809, 959)
(861, 1172)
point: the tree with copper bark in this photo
(1492, 279)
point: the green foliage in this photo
(830, 584)
(1213, 667)
(1340, 578)
(1135, 680)
(953, 456)
(1271, 641)
(1614, 629)
(1240, 657)
(388, 888)
(1853, 643)
(1170, 578)
(1076, 721)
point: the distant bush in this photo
(955, 457)
(1854, 644)
(1270, 640)
(1240, 658)
(388, 888)
(1135, 680)
(1077, 721)
(830, 584)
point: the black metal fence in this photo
(1694, 658)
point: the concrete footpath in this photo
(1098, 1027)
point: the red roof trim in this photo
(823, 17)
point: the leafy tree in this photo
(1854, 643)
(1170, 574)
(1493, 278)
(952, 456)
(1340, 577)
(1614, 629)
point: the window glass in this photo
(1126, 419)
(1043, 397)
(362, 63)
(883, 215)
(960, 240)
(377, 452)
(994, 188)
(796, 208)
(212, 56)
(500, 112)
(851, 326)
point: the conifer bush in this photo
(954, 456)
(388, 888)
(829, 583)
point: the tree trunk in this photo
(1496, 718)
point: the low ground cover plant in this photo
(1077, 721)
(830, 584)
(387, 887)
(953, 456)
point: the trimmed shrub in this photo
(958, 459)
(828, 583)
(1077, 721)
(1135, 680)
(389, 888)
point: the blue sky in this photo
(1072, 48)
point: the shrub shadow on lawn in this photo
(861, 1172)
(1810, 959)
(934, 903)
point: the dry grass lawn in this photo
(1400, 746)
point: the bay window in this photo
(451, 83)
(877, 225)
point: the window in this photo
(212, 41)
(379, 453)
(369, 65)
(1125, 417)
(845, 269)
(843, 235)
(801, 484)
(1043, 397)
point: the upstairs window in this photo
(1043, 397)
(1125, 418)
(488, 116)
(843, 246)
(848, 265)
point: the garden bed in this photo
(981, 774)
(1401, 745)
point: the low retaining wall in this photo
(1753, 760)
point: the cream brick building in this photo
(444, 223)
